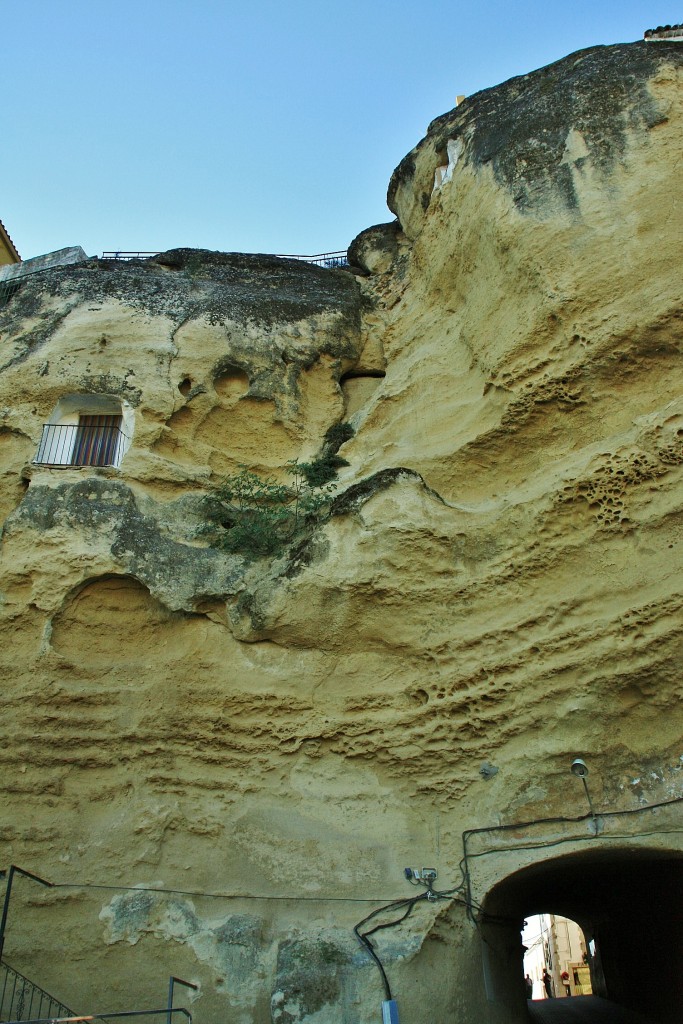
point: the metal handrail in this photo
(122, 254)
(14, 869)
(64, 445)
(13, 285)
(86, 1018)
(322, 259)
(19, 993)
(315, 256)
(172, 982)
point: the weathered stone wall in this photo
(497, 581)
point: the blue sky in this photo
(248, 125)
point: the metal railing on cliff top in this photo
(321, 259)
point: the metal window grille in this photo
(93, 441)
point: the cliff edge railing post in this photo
(14, 870)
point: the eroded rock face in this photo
(496, 584)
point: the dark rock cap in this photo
(520, 127)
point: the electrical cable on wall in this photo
(210, 895)
(426, 878)
(364, 937)
(515, 826)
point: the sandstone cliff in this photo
(497, 582)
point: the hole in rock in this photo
(358, 388)
(231, 382)
(185, 386)
(97, 620)
(362, 375)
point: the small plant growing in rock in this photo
(324, 469)
(337, 435)
(258, 516)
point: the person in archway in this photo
(566, 983)
(529, 986)
(547, 984)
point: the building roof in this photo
(4, 237)
(60, 258)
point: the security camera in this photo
(579, 768)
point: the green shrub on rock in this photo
(258, 517)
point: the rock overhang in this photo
(520, 128)
(182, 284)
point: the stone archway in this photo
(629, 901)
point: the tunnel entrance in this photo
(629, 906)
